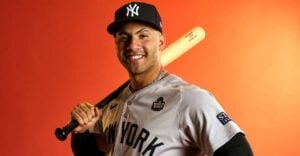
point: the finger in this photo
(79, 129)
(93, 113)
(75, 115)
(80, 113)
(88, 111)
(89, 105)
(97, 112)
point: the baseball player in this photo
(158, 113)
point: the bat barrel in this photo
(182, 45)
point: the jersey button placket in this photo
(126, 112)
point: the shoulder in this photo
(190, 93)
(192, 99)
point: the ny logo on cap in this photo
(132, 10)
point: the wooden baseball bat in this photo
(169, 54)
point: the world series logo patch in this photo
(223, 118)
(158, 104)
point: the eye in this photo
(143, 36)
(123, 38)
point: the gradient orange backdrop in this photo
(57, 53)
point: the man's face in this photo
(138, 47)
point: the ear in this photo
(162, 42)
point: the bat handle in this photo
(62, 133)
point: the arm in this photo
(205, 120)
(83, 142)
(237, 146)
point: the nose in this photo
(133, 44)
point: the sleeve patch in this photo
(223, 118)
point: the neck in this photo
(139, 81)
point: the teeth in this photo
(136, 57)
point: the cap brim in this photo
(114, 27)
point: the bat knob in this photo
(60, 134)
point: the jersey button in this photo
(125, 114)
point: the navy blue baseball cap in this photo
(135, 12)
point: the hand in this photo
(86, 115)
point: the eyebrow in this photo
(137, 32)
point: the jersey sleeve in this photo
(203, 122)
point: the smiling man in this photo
(158, 113)
(138, 49)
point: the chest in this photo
(152, 111)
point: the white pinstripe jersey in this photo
(167, 118)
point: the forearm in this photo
(86, 144)
(237, 146)
(100, 141)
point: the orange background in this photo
(57, 53)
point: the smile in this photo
(134, 57)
